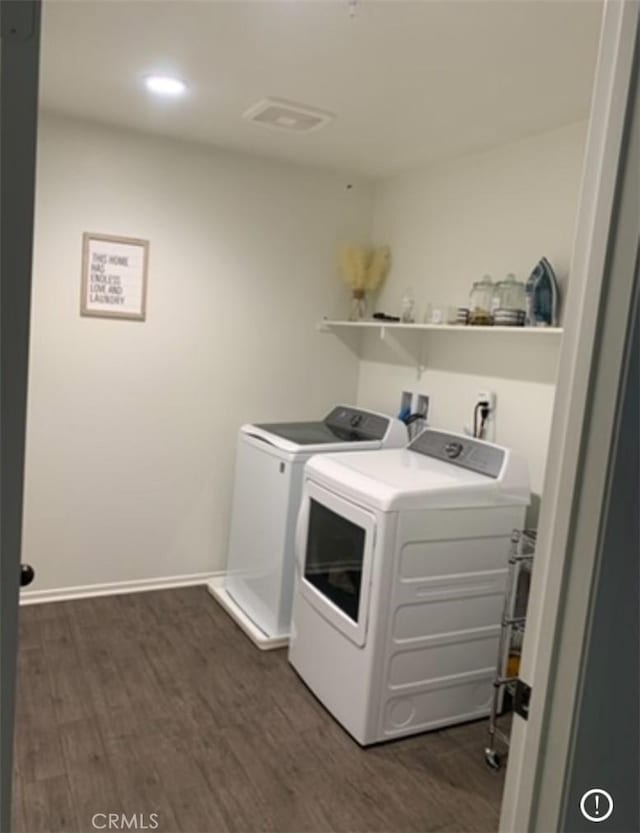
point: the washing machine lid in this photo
(438, 470)
(344, 427)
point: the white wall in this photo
(496, 212)
(447, 225)
(131, 426)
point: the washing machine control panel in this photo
(359, 424)
(466, 452)
(453, 450)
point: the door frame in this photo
(540, 746)
(19, 63)
(592, 363)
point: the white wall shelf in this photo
(408, 343)
(327, 325)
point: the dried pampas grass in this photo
(363, 270)
(379, 263)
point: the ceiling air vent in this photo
(279, 114)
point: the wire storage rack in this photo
(512, 625)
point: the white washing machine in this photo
(402, 560)
(257, 590)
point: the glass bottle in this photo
(408, 303)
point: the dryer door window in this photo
(335, 557)
(335, 543)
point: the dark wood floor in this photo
(157, 703)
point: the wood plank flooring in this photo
(157, 703)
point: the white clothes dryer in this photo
(402, 562)
(257, 590)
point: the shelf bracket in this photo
(350, 337)
(406, 356)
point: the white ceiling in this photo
(409, 82)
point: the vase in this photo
(358, 310)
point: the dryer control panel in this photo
(466, 452)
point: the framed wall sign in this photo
(114, 276)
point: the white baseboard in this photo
(60, 594)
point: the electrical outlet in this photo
(490, 423)
(490, 398)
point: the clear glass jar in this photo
(440, 314)
(482, 294)
(480, 301)
(510, 294)
(496, 298)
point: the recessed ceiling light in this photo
(165, 85)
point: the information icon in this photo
(596, 805)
